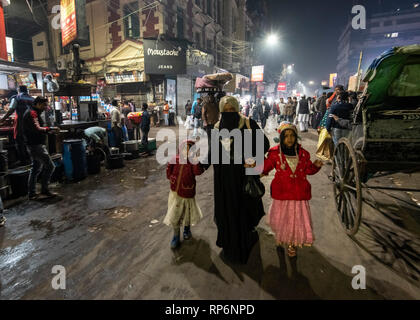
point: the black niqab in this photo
(230, 120)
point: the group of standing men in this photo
(30, 134)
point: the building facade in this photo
(398, 27)
(213, 30)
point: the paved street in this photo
(107, 232)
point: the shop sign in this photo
(164, 57)
(282, 86)
(124, 77)
(333, 79)
(68, 22)
(257, 74)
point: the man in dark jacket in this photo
(265, 108)
(303, 114)
(35, 137)
(19, 104)
(343, 110)
(145, 128)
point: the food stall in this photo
(13, 75)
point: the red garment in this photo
(286, 184)
(330, 100)
(182, 178)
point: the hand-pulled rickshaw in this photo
(385, 136)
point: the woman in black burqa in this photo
(236, 214)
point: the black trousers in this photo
(263, 122)
(118, 135)
(22, 150)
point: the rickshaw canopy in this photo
(394, 73)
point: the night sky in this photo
(309, 33)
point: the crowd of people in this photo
(332, 111)
(30, 135)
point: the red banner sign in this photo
(68, 22)
(282, 86)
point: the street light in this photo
(311, 83)
(272, 39)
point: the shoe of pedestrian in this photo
(33, 196)
(175, 243)
(2, 221)
(187, 233)
(49, 194)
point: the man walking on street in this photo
(303, 114)
(116, 124)
(197, 113)
(166, 113)
(265, 114)
(282, 115)
(211, 115)
(288, 110)
(145, 128)
(35, 136)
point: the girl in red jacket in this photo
(290, 215)
(182, 207)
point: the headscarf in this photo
(229, 120)
(292, 151)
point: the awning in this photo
(129, 56)
(16, 67)
(74, 89)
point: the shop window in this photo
(198, 39)
(131, 20)
(209, 8)
(87, 42)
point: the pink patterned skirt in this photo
(291, 222)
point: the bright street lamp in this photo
(272, 39)
(311, 83)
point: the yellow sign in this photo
(333, 79)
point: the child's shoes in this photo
(187, 233)
(175, 243)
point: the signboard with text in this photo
(68, 22)
(257, 74)
(164, 57)
(333, 79)
(282, 86)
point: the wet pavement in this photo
(107, 232)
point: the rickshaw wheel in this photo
(347, 186)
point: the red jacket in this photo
(182, 178)
(286, 184)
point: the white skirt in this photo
(182, 211)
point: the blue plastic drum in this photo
(74, 158)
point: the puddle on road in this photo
(11, 256)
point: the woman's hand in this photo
(318, 163)
(250, 163)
